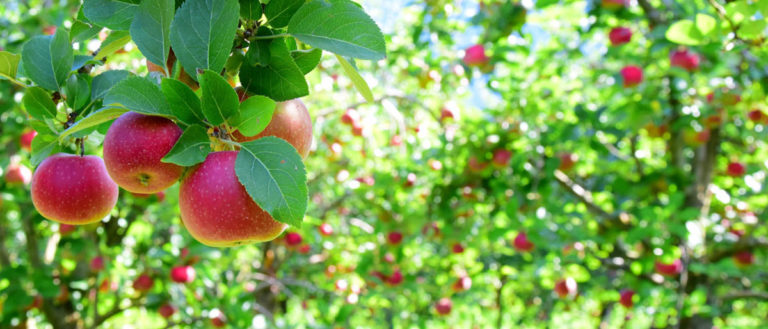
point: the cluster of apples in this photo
(215, 207)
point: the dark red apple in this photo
(25, 141)
(457, 248)
(97, 263)
(133, 147)
(736, 169)
(166, 310)
(684, 59)
(217, 210)
(566, 287)
(410, 180)
(632, 75)
(396, 278)
(217, 318)
(671, 269)
(744, 258)
(73, 190)
(183, 274)
(65, 229)
(462, 284)
(291, 122)
(293, 239)
(17, 173)
(757, 116)
(143, 283)
(394, 238)
(305, 249)
(521, 242)
(475, 56)
(620, 36)
(625, 298)
(443, 306)
(501, 157)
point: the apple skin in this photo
(632, 75)
(462, 284)
(501, 157)
(325, 229)
(166, 310)
(457, 248)
(350, 117)
(566, 287)
(293, 239)
(18, 174)
(736, 169)
(446, 114)
(143, 283)
(394, 238)
(757, 116)
(183, 274)
(475, 56)
(75, 190)
(567, 161)
(444, 306)
(97, 263)
(671, 270)
(291, 122)
(684, 59)
(620, 36)
(217, 210)
(521, 242)
(475, 165)
(396, 278)
(744, 258)
(66, 229)
(625, 298)
(25, 141)
(133, 147)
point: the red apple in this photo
(757, 116)
(49, 30)
(435, 164)
(17, 173)
(291, 122)
(567, 161)
(736, 169)
(443, 306)
(183, 274)
(97, 263)
(620, 35)
(396, 140)
(521, 242)
(217, 210)
(217, 318)
(446, 114)
(394, 238)
(462, 284)
(293, 239)
(305, 249)
(625, 298)
(325, 229)
(143, 283)
(475, 56)
(410, 180)
(65, 229)
(350, 117)
(475, 165)
(501, 157)
(684, 59)
(566, 287)
(357, 129)
(671, 269)
(457, 248)
(26, 139)
(396, 278)
(71, 189)
(632, 75)
(615, 4)
(166, 310)
(744, 258)
(133, 147)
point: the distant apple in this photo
(744, 258)
(620, 36)
(625, 298)
(97, 263)
(447, 113)
(462, 284)
(143, 283)
(684, 59)
(26, 139)
(457, 248)
(183, 274)
(65, 229)
(443, 306)
(166, 310)
(396, 140)
(475, 56)
(293, 239)
(632, 75)
(394, 238)
(17, 173)
(305, 249)
(757, 116)
(521, 242)
(350, 117)
(435, 164)
(669, 269)
(567, 161)
(325, 229)
(341, 285)
(501, 157)
(389, 258)
(475, 165)
(396, 278)
(217, 318)
(566, 287)
(357, 129)
(736, 169)
(615, 4)
(410, 179)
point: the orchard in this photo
(383, 164)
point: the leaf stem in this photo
(267, 37)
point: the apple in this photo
(394, 238)
(65, 229)
(736, 169)
(632, 75)
(325, 229)
(26, 139)
(625, 298)
(293, 239)
(389, 258)
(143, 283)
(615, 4)
(396, 278)
(291, 122)
(620, 36)
(357, 129)
(71, 189)
(446, 113)
(475, 56)
(656, 131)
(757, 116)
(410, 180)
(350, 117)
(501, 157)
(396, 140)
(341, 285)
(183, 274)
(166, 310)
(217, 318)
(443, 306)
(684, 59)
(671, 269)
(305, 249)
(17, 173)
(521, 242)
(133, 147)
(475, 165)
(567, 161)
(435, 164)
(744, 258)
(566, 287)
(457, 248)
(367, 180)
(462, 284)
(97, 263)
(49, 30)
(217, 210)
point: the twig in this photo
(745, 294)
(585, 197)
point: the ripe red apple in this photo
(394, 238)
(736, 169)
(620, 35)
(17, 173)
(501, 157)
(475, 56)
(26, 139)
(457, 248)
(447, 113)
(291, 122)
(396, 278)
(65, 229)
(625, 298)
(757, 116)
(521, 242)
(143, 283)
(615, 4)
(97, 263)
(325, 229)
(566, 287)
(567, 161)
(71, 189)
(632, 75)
(350, 117)
(217, 318)
(49, 30)
(357, 129)
(217, 210)
(684, 59)
(305, 249)
(744, 258)
(443, 306)
(462, 284)
(133, 147)
(410, 180)
(671, 269)
(166, 310)
(183, 274)
(293, 239)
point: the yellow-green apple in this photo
(133, 147)
(71, 189)
(291, 122)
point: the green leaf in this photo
(96, 118)
(705, 23)
(357, 80)
(78, 91)
(339, 26)
(307, 60)
(139, 95)
(191, 148)
(274, 176)
(752, 29)
(9, 62)
(684, 32)
(219, 99)
(258, 53)
(739, 11)
(42, 146)
(151, 28)
(279, 13)
(103, 82)
(185, 105)
(47, 60)
(82, 31)
(255, 114)
(114, 42)
(281, 80)
(114, 14)
(202, 33)
(250, 9)
(38, 103)
(82, 60)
